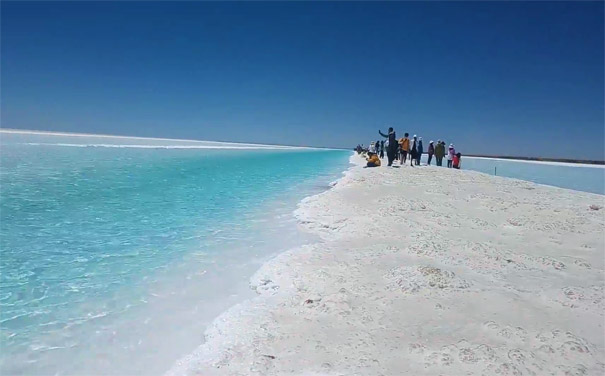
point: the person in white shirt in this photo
(372, 148)
(450, 155)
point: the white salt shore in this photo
(425, 271)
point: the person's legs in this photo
(390, 156)
(430, 157)
(418, 159)
(449, 163)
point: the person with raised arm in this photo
(392, 148)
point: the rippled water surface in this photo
(115, 259)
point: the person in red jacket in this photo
(456, 161)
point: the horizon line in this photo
(544, 160)
(74, 134)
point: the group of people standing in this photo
(400, 149)
(453, 158)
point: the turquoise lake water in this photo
(115, 259)
(584, 178)
(117, 252)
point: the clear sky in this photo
(516, 78)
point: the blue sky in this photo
(518, 78)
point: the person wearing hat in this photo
(420, 150)
(372, 148)
(439, 152)
(414, 151)
(431, 151)
(450, 155)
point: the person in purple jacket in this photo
(450, 155)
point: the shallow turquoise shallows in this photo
(114, 259)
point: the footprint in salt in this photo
(508, 369)
(582, 263)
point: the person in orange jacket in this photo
(405, 147)
(373, 160)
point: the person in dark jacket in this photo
(431, 151)
(382, 149)
(440, 152)
(414, 151)
(420, 151)
(392, 149)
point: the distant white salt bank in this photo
(110, 141)
(212, 146)
(425, 271)
(551, 163)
